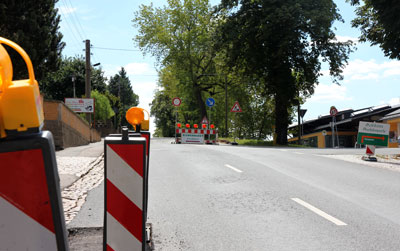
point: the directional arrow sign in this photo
(370, 133)
(210, 102)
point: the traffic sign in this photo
(210, 102)
(176, 101)
(333, 111)
(236, 107)
(370, 150)
(204, 120)
(370, 133)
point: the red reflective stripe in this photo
(109, 248)
(124, 211)
(131, 154)
(23, 183)
(147, 136)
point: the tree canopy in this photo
(379, 23)
(34, 26)
(271, 39)
(180, 35)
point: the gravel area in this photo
(89, 172)
(391, 162)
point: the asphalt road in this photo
(206, 197)
(248, 198)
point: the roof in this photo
(348, 119)
(392, 115)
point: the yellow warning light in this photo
(21, 108)
(135, 116)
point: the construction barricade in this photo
(32, 216)
(126, 186)
(196, 136)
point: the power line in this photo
(113, 49)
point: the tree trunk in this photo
(281, 118)
(200, 102)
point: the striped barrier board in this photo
(197, 131)
(125, 175)
(31, 210)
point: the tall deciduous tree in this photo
(180, 35)
(379, 23)
(34, 26)
(271, 39)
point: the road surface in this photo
(206, 197)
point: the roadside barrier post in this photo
(126, 175)
(32, 216)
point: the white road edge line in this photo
(320, 212)
(233, 168)
(298, 153)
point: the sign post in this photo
(176, 102)
(333, 112)
(372, 134)
(236, 109)
(210, 102)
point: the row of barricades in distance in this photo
(195, 135)
(32, 215)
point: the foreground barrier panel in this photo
(31, 210)
(125, 186)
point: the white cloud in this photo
(63, 10)
(139, 69)
(394, 101)
(362, 70)
(329, 93)
(346, 38)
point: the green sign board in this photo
(370, 133)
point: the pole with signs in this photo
(210, 102)
(176, 102)
(333, 112)
(236, 109)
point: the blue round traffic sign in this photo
(210, 102)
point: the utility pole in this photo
(226, 106)
(88, 88)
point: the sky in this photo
(370, 78)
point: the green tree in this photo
(162, 110)
(103, 109)
(120, 86)
(180, 35)
(34, 26)
(59, 84)
(379, 23)
(270, 39)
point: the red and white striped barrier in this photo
(125, 165)
(197, 131)
(31, 211)
(207, 133)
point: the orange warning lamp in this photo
(195, 126)
(212, 126)
(179, 125)
(204, 126)
(187, 126)
(21, 108)
(135, 116)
